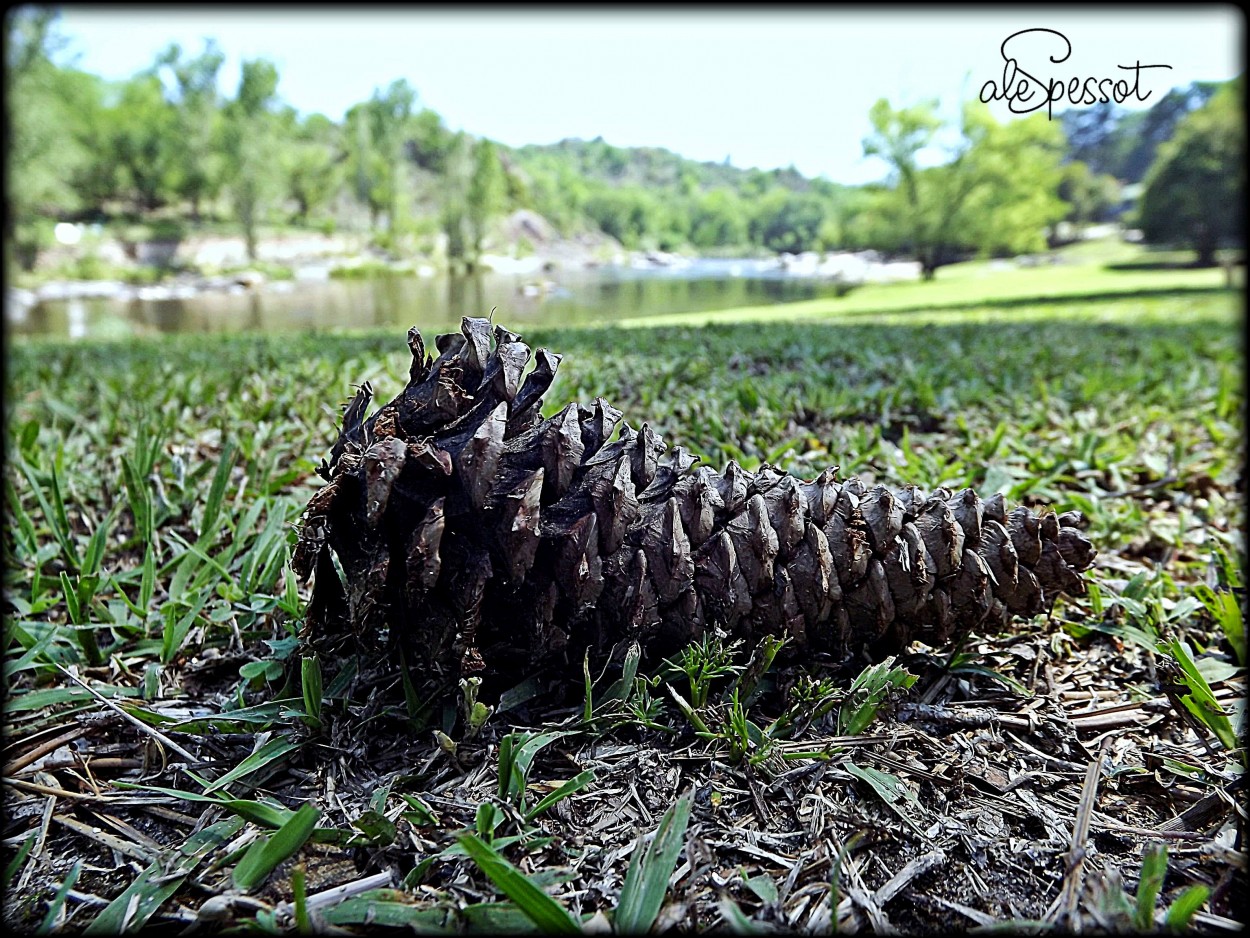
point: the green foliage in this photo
(1116, 142)
(487, 189)
(164, 140)
(1200, 701)
(538, 907)
(197, 140)
(250, 143)
(868, 692)
(646, 880)
(266, 852)
(44, 153)
(1092, 198)
(312, 166)
(997, 193)
(1120, 912)
(311, 685)
(1195, 188)
(788, 221)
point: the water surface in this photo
(558, 297)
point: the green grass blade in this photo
(1200, 700)
(58, 901)
(147, 581)
(310, 678)
(132, 909)
(1154, 867)
(139, 495)
(25, 534)
(269, 815)
(95, 547)
(384, 908)
(217, 491)
(60, 533)
(270, 752)
(15, 864)
(299, 888)
(265, 854)
(646, 882)
(175, 630)
(575, 784)
(550, 917)
(62, 517)
(1182, 911)
(891, 790)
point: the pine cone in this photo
(461, 529)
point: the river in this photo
(559, 297)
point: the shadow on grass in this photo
(845, 336)
(1062, 299)
(1166, 265)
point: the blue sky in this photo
(765, 89)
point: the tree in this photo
(718, 219)
(198, 121)
(1193, 192)
(788, 221)
(376, 134)
(146, 142)
(453, 211)
(44, 154)
(252, 146)
(1091, 197)
(997, 193)
(311, 162)
(627, 214)
(486, 193)
(1123, 143)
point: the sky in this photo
(768, 89)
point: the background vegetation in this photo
(170, 150)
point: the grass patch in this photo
(151, 490)
(974, 284)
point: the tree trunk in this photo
(1204, 244)
(248, 217)
(477, 537)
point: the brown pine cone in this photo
(462, 529)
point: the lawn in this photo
(170, 761)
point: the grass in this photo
(989, 284)
(151, 492)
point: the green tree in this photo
(627, 214)
(146, 143)
(311, 162)
(251, 144)
(453, 208)
(487, 190)
(377, 132)
(428, 141)
(1091, 197)
(788, 221)
(44, 152)
(997, 193)
(198, 108)
(1194, 191)
(389, 116)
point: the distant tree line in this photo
(168, 145)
